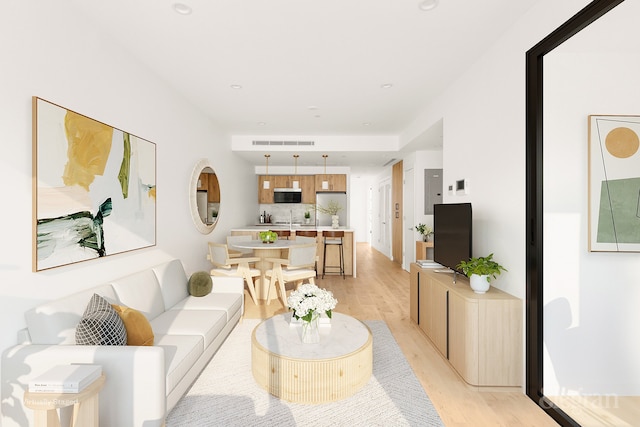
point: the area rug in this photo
(226, 394)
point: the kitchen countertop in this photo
(264, 227)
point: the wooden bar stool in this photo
(283, 233)
(333, 238)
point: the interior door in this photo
(409, 252)
(384, 213)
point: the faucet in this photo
(290, 219)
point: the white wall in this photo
(51, 52)
(590, 298)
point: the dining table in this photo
(264, 251)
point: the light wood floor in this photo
(381, 292)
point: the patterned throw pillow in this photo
(100, 324)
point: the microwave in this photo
(287, 195)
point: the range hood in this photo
(287, 195)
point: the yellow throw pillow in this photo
(138, 328)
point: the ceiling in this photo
(308, 67)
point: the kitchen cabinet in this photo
(480, 335)
(203, 182)
(336, 182)
(306, 183)
(308, 186)
(213, 189)
(265, 195)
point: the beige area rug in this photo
(226, 394)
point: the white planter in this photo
(479, 284)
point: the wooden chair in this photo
(297, 268)
(234, 251)
(234, 267)
(308, 236)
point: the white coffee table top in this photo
(345, 335)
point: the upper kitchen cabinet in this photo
(265, 195)
(334, 182)
(213, 193)
(308, 186)
(203, 182)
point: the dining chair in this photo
(234, 251)
(298, 267)
(305, 236)
(224, 265)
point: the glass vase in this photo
(310, 331)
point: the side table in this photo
(85, 406)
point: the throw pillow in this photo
(139, 331)
(100, 324)
(200, 284)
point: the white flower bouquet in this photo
(308, 300)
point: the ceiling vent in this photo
(389, 162)
(289, 143)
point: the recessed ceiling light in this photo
(386, 86)
(261, 123)
(236, 86)
(428, 4)
(312, 107)
(317, 116)
(366, 124)
(182, 8)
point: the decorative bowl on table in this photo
(268, 236)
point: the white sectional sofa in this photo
(143, 383)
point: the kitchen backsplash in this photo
(281, 212)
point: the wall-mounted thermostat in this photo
(462, 186)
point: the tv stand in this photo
(480, 335)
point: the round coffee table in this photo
(333, 369)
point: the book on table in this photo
(428, 263)
(65, 379)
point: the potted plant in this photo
(332, 209)
(480, 271)
(307, 217)
(268, 236)
(425, 231)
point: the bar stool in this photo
(308, 236)
(283, 233)
(333, 238)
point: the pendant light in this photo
(266, 184)
(325, 183)
(296, 183)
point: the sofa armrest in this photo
(225, 285)
(133, 394)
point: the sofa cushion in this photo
(228, 302)
(173, 282)
(55, 322)
(100, 324)
(142, 292)
(200, 284)
(206, 323)
(139, 331)
(180, 354)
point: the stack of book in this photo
(65, 379)
(428, 263)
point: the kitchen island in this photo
(332, 253)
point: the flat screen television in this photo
(452, 231)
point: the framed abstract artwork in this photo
(94, 188)
(614, 183)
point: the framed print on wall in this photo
(94, 188)
(614, 183)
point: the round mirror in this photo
(204, 197)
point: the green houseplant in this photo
(424, 230)
(480, 270)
